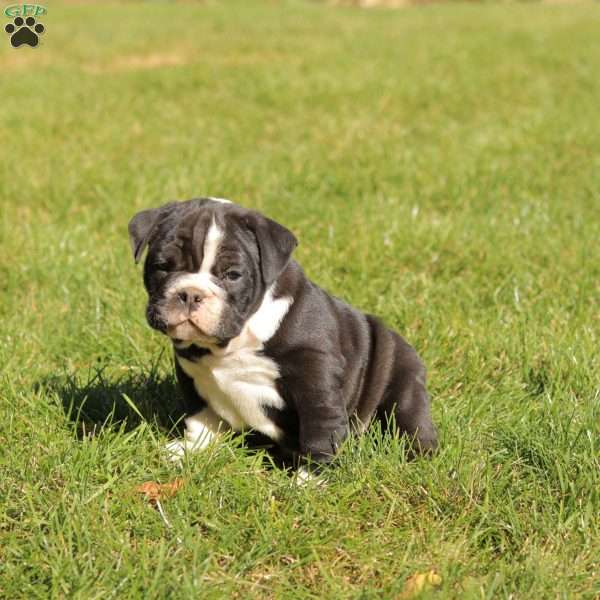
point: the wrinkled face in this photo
(208, 267)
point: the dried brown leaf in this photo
(419, 582)
(155, 491)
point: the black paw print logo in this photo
(24, 32)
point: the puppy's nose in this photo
(191, 297)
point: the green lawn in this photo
(441, 168)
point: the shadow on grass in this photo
(101, 400)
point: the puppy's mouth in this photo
(187, 331)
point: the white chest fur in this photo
(238, 382)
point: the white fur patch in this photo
(222, 200)
(266, 320)
(237, 381)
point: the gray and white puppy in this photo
(259, 347)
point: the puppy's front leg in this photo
(312, 380)
(200, 430)
(323, 424)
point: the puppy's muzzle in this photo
(193, 311)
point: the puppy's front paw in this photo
(175, 450)
(304, 477)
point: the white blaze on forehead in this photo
(211, 247)
(222, 200)
(203, 279)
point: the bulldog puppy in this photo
(259, 347)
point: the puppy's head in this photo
(208, 267)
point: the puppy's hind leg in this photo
(407, 404)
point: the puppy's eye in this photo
(161, 266)
(232, 275)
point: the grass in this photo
(440, 167)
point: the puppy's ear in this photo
(275, 244)
(140, 229)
